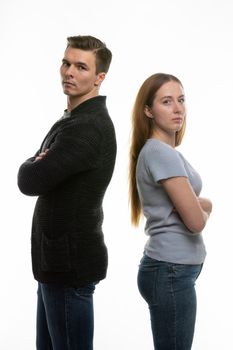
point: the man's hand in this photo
(42, 155)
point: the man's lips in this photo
(68, 83)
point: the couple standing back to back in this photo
(70, 174)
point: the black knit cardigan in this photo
(67, 240)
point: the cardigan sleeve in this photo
(74, 150)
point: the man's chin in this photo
(67, 92)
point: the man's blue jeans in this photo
(65, 317)
(169, 290)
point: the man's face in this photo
(78, 73)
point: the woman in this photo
(165, 187)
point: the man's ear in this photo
(147, 112)
(100, 78)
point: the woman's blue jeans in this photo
(169, 290)
(65, 317)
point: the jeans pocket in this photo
(87, 290)
(185, 276)
(147, 285)
(55, 254)
(187, 270)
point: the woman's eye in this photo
(166, 102)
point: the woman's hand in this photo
(205, 204)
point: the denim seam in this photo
(67, 318)
(154, 294)
(174, 307)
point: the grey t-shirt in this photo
(66, 114)
(169, 239)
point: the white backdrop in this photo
(191, 39)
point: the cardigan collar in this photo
(90, 104)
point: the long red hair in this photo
(142, 127)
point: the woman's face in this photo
(168, 109)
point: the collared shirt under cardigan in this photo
(67, 240)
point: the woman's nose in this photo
(178, 107)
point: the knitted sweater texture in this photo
(70, 181)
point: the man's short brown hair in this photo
(90, 43)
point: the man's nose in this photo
(70, 71)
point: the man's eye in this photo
(182, 100)
(81, 68)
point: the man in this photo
(70, 174)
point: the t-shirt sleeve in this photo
(164, 162)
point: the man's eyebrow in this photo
(78, 63)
